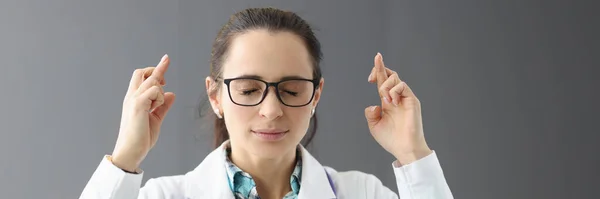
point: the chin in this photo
(272, 149)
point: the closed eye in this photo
(249, 92)
(291, 93)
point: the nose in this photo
(270, 108)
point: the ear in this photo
(318, 92)
(214, 95)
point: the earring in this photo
(218, 113)
(312, 112)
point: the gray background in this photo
(509, 88)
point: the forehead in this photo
(268, 55)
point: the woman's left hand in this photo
(396, 125)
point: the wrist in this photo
(126, 166)
(412, 156)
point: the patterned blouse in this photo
(243, 187)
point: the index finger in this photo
(380, 73)
(161, 68)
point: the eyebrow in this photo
(281, 79)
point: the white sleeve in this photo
(110, 182)
(423, 178)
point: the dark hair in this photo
(273, 20)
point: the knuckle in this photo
(388, 82)
(382, 90)
(138, 72)
(152, 80)
(393, 76)
(139, 101)
(158, 90)
(148, 69)
(400, 85)
(159, 96)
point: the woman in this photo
(264, 86)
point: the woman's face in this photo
(268, 129)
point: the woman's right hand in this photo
(144, 109)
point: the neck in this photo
(271, 175)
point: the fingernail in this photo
(370, 75)
(164, 58)
(373, 108)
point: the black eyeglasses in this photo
(294, 92)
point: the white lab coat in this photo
(421, 179)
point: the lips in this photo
(269, 131)
(270, 134)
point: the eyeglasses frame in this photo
(315, 83)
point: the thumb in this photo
(373, 115)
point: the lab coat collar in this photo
(209, 179)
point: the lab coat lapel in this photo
(314, 183)
(209, 179)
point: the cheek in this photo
(234, 114)
(236, 119)
(300, 117)
(226, 103)
(237, 113)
